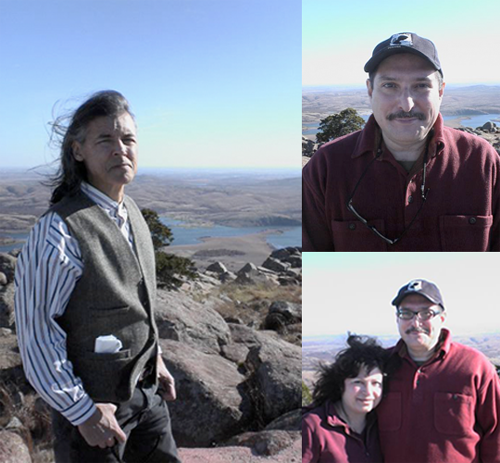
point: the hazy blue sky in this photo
(339, 37)
(353, 291)
(213, 83)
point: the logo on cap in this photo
(401, 40)
(415, 285)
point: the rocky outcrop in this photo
(237, 377)
(182, 319)
(275, 368)
(489, 131)
(7, 269)
(210, 407)
(13, 449)
(282, 314)
(309, 147)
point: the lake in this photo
(185, 234)
(290, 236)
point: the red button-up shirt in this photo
(462, 211)
(445, 411)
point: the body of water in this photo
(22, 237)
(475, 121)
(185, 235)
(286, 236)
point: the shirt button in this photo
(472, 220)
(410, 199)
(352, 226)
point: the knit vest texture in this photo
(115, 295)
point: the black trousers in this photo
(144, 419)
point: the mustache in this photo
(416, 330)
(405, 115)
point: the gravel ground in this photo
(239, 455)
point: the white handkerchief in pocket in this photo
(107, 344)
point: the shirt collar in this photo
(370, 139)
(102, 199)
(334, 420)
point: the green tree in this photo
(160, 233)
(170, 269)
(339, 124)
(306, 395)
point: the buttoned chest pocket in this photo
(389, 412)
(353, 235)
(453, 413)
(465, 233)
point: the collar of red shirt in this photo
(333, 419)
(370, 139)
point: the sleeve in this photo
(316, 233)
(495, 229)
(488, 416)
(46, 273)
(310, 445)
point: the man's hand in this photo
(102, 428)
(167, 383)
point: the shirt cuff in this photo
(80, 411)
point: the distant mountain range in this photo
(320, 101)
(317, 349)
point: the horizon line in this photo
(363, 85)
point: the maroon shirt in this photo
(445, 411)
(328, 439)
(462, 211)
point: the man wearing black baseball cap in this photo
(442, 404)
(405, 182)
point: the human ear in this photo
(76, 148)
(369, 87)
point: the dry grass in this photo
(34, 416)
(250, 304)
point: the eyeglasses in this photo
(407, 314)
(424, 196)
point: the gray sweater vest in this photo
(115, 295)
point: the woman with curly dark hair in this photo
(339, 426)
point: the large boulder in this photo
(276, 265)
(291, 421)
(8, 266)
(7, 314)
(209, 407)
(265, 442)
(281, 314)
(274, 369)
(290, 255)
(180, 318)
(13, 449)
(489, 127)
(276, 377)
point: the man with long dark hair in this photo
(85, 294)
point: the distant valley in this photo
(317, 103)
(200, 199)
(317, 349)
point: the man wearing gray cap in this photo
(405, 183)
(442, 404)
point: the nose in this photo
(406, 101)
(119, 148)
(415, 321)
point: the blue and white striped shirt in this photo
(47, 271)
